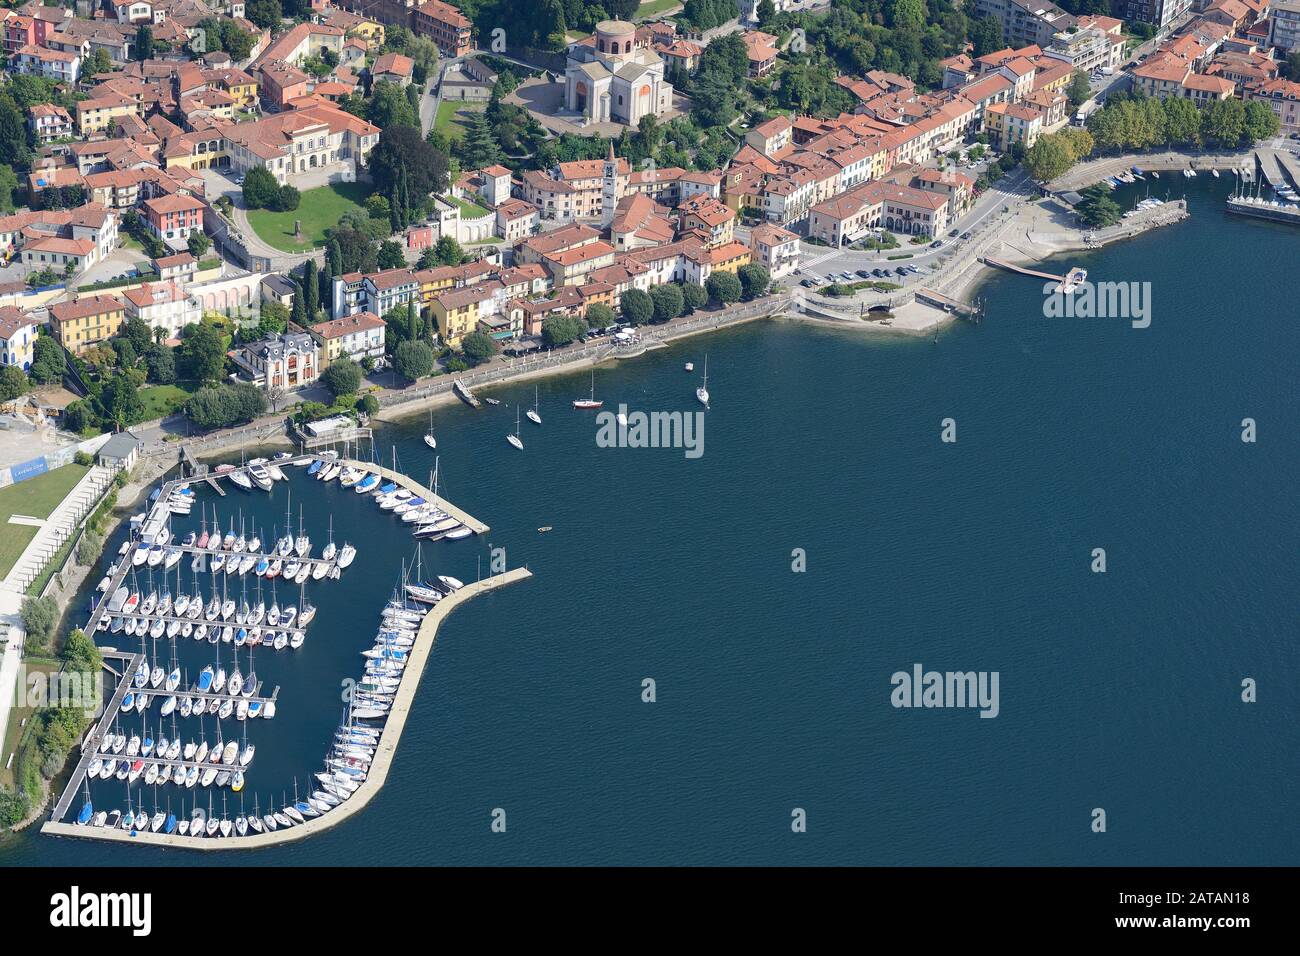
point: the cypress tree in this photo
(298, 314)
(310, 289)
(412, 330)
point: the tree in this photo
(357, 251)
(368, 405)
(138, 332)
(79, 416)
(390, 107)
(402, 147)
(390, 255)
(198, 244)
(310, 289)
(723, 287)
(264, 13)
(89, 546)
(286, 199)
(343, 377)
(478, 346)
(1048, 158)
(14, 151)
(203, 353)
(8, 185)
(667, 301)
(1182, 121)
(637, 307)
(694, 296)
(477, 147)
(447, 251)
(1261, 122)
(121, 401)
(413, 360)
(144, 42)
(766, 12)
(12, 382)
(40, 616)
(599, 316)
(560, 330)
(297, 307)
(1225, 122)
(261, 190)
(1097, 209)
(1080, 90)
(754, 280)
(273, 320)
(161, 363)
(218, 406)
(48, 361)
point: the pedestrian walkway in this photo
(57, 529)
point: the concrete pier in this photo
(383, 758)
(413, 486)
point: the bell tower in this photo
(609, 188)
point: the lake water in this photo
(1119, 690)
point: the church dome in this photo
(615, 36)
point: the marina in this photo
(155, 693)
(384, 751)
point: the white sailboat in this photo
(533, 415)
(702, 393)
(514, 439)
(591, 402)
(428, 436)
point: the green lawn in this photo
(446, 119)
(319, 210)
(18, 714)
(36, 498)
(650, 8)
(468, 210)
(161, 400)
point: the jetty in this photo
(1066, 283)
(90, 743)
(464, 394)
(947, 303)
(382, 762)
(413, 486)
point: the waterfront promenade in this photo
(384, 753)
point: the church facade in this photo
(614, 77)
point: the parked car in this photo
(877, 273)
(965, 235)
(952, 233)
(808, 283)
(864, 274)
(936, 244)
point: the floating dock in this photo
(384, 752)
(413, 486)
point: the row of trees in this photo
(1138, 122)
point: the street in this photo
(818, 260)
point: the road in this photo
(824, 262)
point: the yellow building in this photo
(86, 322)
(94, 115)
(457, 312)
(728, 258)
(370, 31)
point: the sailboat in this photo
(533, 416)
(428, 436)
(330, 548)
(589, 402)
(514, 439)
(702, 393)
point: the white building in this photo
(163, 305)
(612, 78)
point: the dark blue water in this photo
(1118, 690)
